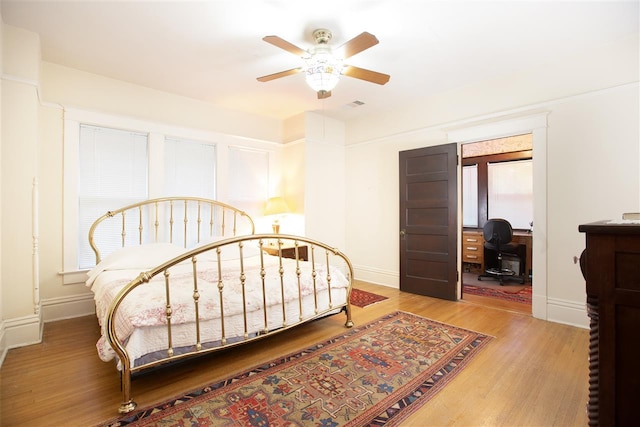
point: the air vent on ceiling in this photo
(355, 104)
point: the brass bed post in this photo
(140, 227)
(171, 221)
(169, 312)
(314, 276)
(298, 273)
(326, 252)
(212, 212)
(243, 279)
(223, 337)
(235, 223)
(196, 301)
(281, 272)
(123, 233)
(263, 275)
(222, 223)
(156, 223)
(199, 222)
(186, 221)
(127, 404)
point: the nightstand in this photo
(288, 251)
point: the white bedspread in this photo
(141, 318)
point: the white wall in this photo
(593, 149)
(599, 68)
(77, 89)
(3, 344)
(324, 195)
(19, 176)
(592, 173)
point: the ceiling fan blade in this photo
(274, 76)
(322, 94)
(357, 44)
(283, 44)
(368, 75)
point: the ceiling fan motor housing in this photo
(322, 36)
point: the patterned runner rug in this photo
(522, 295)
(361, 298)
(375, 374)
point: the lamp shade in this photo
(275, 206)
(323, 70)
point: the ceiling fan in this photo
(323, 66)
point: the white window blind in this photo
(470, 196)
(112, 173)
(190, 168)
(510, 192)
(248, 179)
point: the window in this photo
(111, 161)
(190, 168)
(470, 196)
(248, 187)
(498, 186)
(510, 192)
(112, 172)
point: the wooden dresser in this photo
(473, 247)
(611, 265)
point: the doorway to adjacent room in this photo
(497, 182)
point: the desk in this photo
(473, 244)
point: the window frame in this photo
(157, 132)
(483, 177)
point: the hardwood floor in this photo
(534, 373)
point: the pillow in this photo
(142, 257)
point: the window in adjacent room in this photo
(470, 196)
(510, 192)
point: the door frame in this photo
(536, 124)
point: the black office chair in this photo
(498, 234)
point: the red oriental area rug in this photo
(375, 374)
(522, 294)
(361, 298)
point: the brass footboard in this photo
(327, 274)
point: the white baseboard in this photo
(552, 309)
(567, 312)
(377, 276)
(19, 332)
(3, 344)
(61, 308)
(27, 330)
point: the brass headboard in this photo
(179, 220)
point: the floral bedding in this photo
(145, 307)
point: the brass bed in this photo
(189, 276)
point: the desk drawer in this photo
(472, 248)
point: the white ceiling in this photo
(213, 50)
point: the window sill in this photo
(73, 277)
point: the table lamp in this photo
(276, 206)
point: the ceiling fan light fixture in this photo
(323, 70)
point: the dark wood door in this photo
(428, 221)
